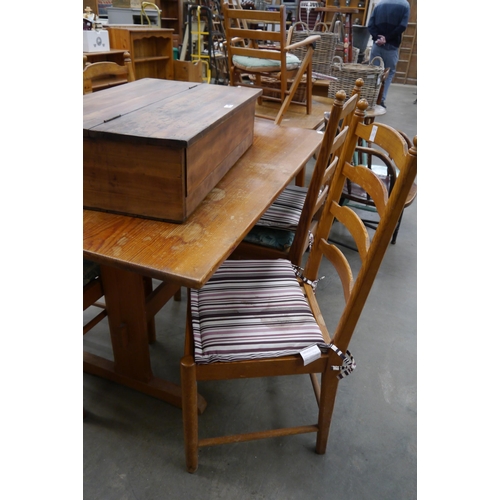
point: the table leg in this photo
(125, 296)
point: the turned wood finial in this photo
(413, 149)
(358, 84)
(340, 96)
(362, 105)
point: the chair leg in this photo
(190, 412)
(178, 295)
(396, 231)
(329, 384)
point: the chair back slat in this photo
(383, 136)
(341, 264)
(371, 183)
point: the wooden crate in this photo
(155, 148)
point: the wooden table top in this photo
(296, 115)
(189, 253)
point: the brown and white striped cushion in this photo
(251, 309)
(285, 211)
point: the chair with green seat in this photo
(258, 56)
(287, 228)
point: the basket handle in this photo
(341, 61)
(338, 30)
(301, 23)
(324, 27)
(381, 61)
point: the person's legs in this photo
(390, 58)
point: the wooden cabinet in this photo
(151, 49)
(171, 17)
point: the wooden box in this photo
(155, 148)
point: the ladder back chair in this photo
(383, 165)
(261, 318)
(287, 228)
(265, 56)
(105, 74)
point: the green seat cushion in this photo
(279, 239)
(257, 64)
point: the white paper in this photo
(310, 354)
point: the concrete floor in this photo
(133, 445)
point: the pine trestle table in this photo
(129, 249)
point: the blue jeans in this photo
(390, 56)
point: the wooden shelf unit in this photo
(151, 49)
(171, 18)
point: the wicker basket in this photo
(348, 73)
(325, 47)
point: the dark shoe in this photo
(383, 104)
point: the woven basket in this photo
(348, 73)
(325, 47)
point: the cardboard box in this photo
(187, 71)
(155, 148)
(95, 41)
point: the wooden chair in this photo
(105, 74)
(260, 318)
(288, 226)
(386, 170)
(263, 58)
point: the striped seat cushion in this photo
(285, 211)
(251, 309)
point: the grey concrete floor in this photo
(133, 445)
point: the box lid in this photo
(174, 115)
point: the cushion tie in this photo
(299, 272)
(348, 362)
